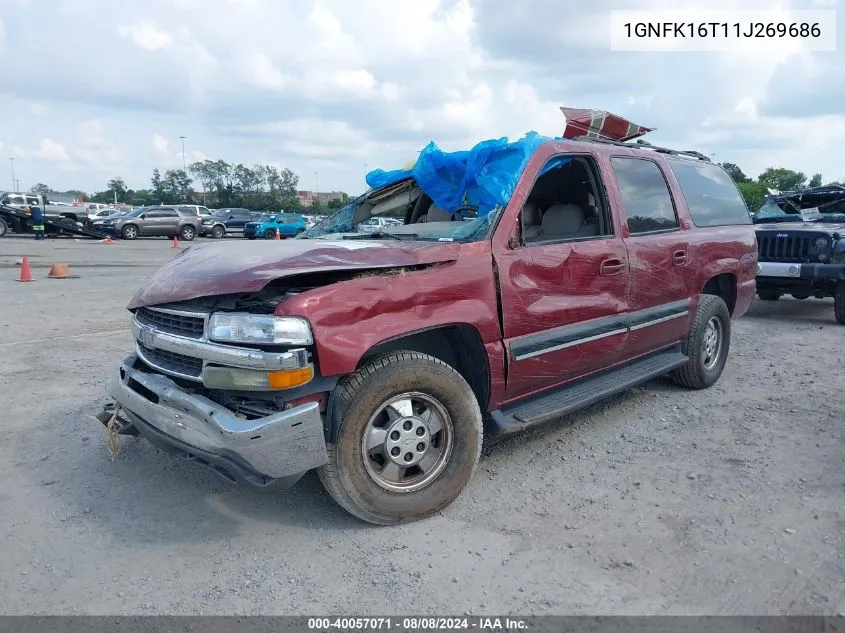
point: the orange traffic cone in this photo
(278, 236)
(108, 240)
(175, 242)
(59, 271)
(26, 273)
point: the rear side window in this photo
(645, 195)
(712, 197)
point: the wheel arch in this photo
(459, 345)
(723, 285)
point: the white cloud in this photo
(264, 74)
(325, 21)
(161, 146)
(145, 34)
(51, 151)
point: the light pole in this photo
(184, 163)
(12, 164)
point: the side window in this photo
(565, 204)
(646, 200)
(712, 197)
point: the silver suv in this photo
(155, 222)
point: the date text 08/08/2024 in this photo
(423, 623)
(722, 29)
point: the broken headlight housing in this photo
(258, 329)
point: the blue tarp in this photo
(483, 177)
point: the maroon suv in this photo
(381, 359)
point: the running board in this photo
(585, 392)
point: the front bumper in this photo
(281, 446)
(800, 271)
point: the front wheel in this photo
(409, 439)
(217, 232)
(839, 303)
(768, 295)
(4, 227)
(706, 345)
(187, 233)
(129, 232)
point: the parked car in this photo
(285, 224)
(158, 221)
(225, 221)
(197, 209)
(801, 246)
(382, 359)
(373, 225)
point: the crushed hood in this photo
(205, 270)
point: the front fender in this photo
(350, 317)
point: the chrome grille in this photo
(171, 362)
(172, 322)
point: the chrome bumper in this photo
(282, 445)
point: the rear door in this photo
(563, 277)
(659, 250)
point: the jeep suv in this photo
(158, 221)
(383, 359)
(801, 243)
(273, 224)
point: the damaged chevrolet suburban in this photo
(528, 280)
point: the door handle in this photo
(610, 267)
(680, 258)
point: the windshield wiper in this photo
(377, 235)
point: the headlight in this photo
(259, 329)
(821, 243)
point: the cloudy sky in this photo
(91, 89)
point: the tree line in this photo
(754, 191)
(266, 187)
(260, 187)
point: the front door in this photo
(564, 283)
(659, 250)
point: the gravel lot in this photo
(726, 501)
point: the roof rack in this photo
(645, 144)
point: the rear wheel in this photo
(800, 296)
(129, 232)
(706, 345)
(217, 232)
(187, 233)
(839, 303)
(768, 295)
(4, 227)
(409, 439)
(269, 234)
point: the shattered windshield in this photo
(412, 216)
(820, 204)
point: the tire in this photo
(839, 303)
(217, 232)
(706, 361)
(800, 296)
(768, 295)
(129, 232)
(350, 477)
(269, 234)
(187, 233)
(4, 227)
